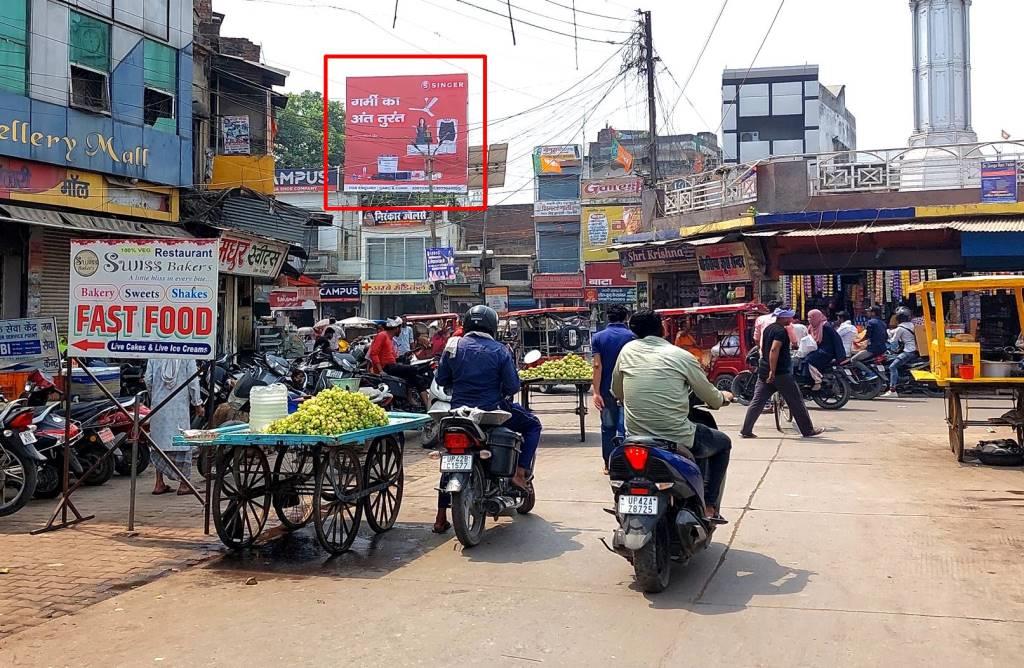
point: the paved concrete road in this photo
(867, 547)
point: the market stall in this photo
(546, 376)
(977, 368)
(554, 331)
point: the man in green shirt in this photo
(654, 379)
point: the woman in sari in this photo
(163, 376)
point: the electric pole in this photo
(652, 118)
(428, 164)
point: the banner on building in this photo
(29, 342)
(235, 135)
(723, 263)
(603, 225)
(999, 181)
(143, 298)
(553, 159)
(440, 264)
(558, 286)
(304, 180)
(497, 298)
(396, 288)
(605, 275)
(244, 255)
(558, 208)
(295, 299)
(653, 256)
(613, 189)
(376, 218)
(610, 295)
(393, 124)
(340, 292)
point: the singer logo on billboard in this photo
(407, 134)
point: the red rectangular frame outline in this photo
(412, 56)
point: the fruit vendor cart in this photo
(975, 355)
(544, 375)
(329, 480)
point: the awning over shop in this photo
(90, 224)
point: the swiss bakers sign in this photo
(144, 298)
(625, 188)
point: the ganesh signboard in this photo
(143, 298)
(623, 189)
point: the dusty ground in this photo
(870, 546)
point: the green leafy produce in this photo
(570, 367)
(332, 411)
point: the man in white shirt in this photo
(846, 331)
(906, 341)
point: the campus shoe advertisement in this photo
(395, 125)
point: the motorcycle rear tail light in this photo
(636, 456)
(456, 441)
(638, 490)
(21, 421)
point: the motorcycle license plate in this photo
(27, 437)
(638, 505)
(106, 436)
(450, 463)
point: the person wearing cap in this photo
(775, 374)
(403, 338)
(762, 321)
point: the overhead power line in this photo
(538, 27)
(752, 61)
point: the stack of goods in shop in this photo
(333, 411)
(570, 367)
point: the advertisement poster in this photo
(999, 181)
(602, 225)
(30, 342)
(143, 298)
(393, 124)
(553, 159)
(234, 135)
(296, 299)
(497, 298)
(243, 255)
(440, 264)
(610, 295)
(723, 263)
(605, 275)
(642, 300)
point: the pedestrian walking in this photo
(606, 345)
(775, 374)
(162, 377)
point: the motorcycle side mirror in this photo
(531, 357)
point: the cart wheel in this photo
(337, 509)
(241, 495)
(294, 480)
(956, 426)
(384, 467)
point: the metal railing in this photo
(723, 186)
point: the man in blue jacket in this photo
(482, 374)
(877, 335)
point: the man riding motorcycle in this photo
(481, 374)
(654, 379)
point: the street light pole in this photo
(429, 167)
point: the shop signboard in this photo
(377, 218)
(610, 295)
(393, 123)
(244, 255)
(556, 208)
(655, 256)
(30, 342)
(396, 288)
(999, 181)
(605, 275)
(497, 298)
(723, 263)
(234, 135)
(626, 188)
(440, 264)
(304, 180)
(340, 292)
(553, 159)
(295, 299)
(143, 298)
(603, 225)
(558, 286)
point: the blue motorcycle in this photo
(658, 488)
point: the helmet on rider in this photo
(481, 318)
(904, 314)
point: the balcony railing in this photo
(723, 186)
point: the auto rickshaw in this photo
(555, 331)
(719, 336)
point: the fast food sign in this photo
(143, 298)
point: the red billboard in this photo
(395, 125)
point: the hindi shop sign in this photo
(143, 298)
(440, 264)
(655, 256)
(723, 263)
(243, 255)
(379, 217)
(29, 341)
(556, 208)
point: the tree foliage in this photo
(300, 132)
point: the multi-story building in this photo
(509, 263)
(678, 155)
(95, 135)
(558, 276)
(773, 111)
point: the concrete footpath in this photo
(869, 546)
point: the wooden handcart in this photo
(329, 480)
(582, 388)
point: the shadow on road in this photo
(526, 539)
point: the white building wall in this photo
(48, 52)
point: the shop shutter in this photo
(558, 187)
(558, 252)
(49, 274)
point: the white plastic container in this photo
(266, 404)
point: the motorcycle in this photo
(19, 459)
(50, 427)
(906, 384)
(440, 405)
(407, 399)
(865, 383)
(658, 492)
(477, 465)
(834, 393)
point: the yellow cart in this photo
(972, 389)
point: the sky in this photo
(864, 44)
